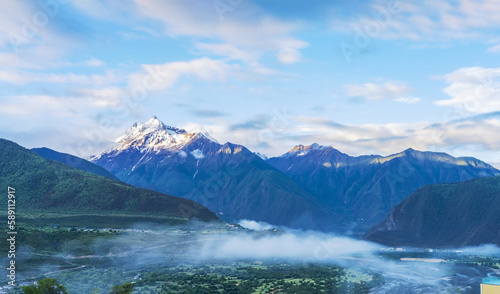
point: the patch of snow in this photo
(133, 168)
(203, 132)
(316, 146)
(262, 156)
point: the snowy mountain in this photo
(153, 136)
(227, 178)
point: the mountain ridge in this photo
(377, 159)
(227, 178)
(365, 188)
(73, 161)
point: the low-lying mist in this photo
(307, 246)
(431, 275)
(146, 245)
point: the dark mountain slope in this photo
(444, 215)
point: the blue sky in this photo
(367, 77)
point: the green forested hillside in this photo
(45, 185)
(444, 215)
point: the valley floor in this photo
(91, 258)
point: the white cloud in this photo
(110, 93)
(162, 76)
(82, 124)
(229, 51)
(30, 36)
(472, 90)
(198, 154)
(93, 62)
(255, 225)
(239, 27)
(10, 60)
(475, 136)
(494, 49)
(243, 31)
(478, 133)
(409, 100)
(91, 96)
(27, 105)
(289, 56)
(15, 26)
(431, 21)
(24, 77)
(375, 92)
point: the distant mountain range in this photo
(46, 186)
(365, 188)
(312, 187)
(444, 215)
(423, 199)
(228, 179)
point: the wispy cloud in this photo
(31, 34)
(375, 92)
(25, 77)
(408, 100)
(228, 51)
(478, 133)
(429, 21)
(472, 90)
(162, 76)
(473, 136)
(494, 49)
(93, 62)
(240, 34)
(208, 113)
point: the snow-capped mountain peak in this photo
(154, 135)
(154, 125)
